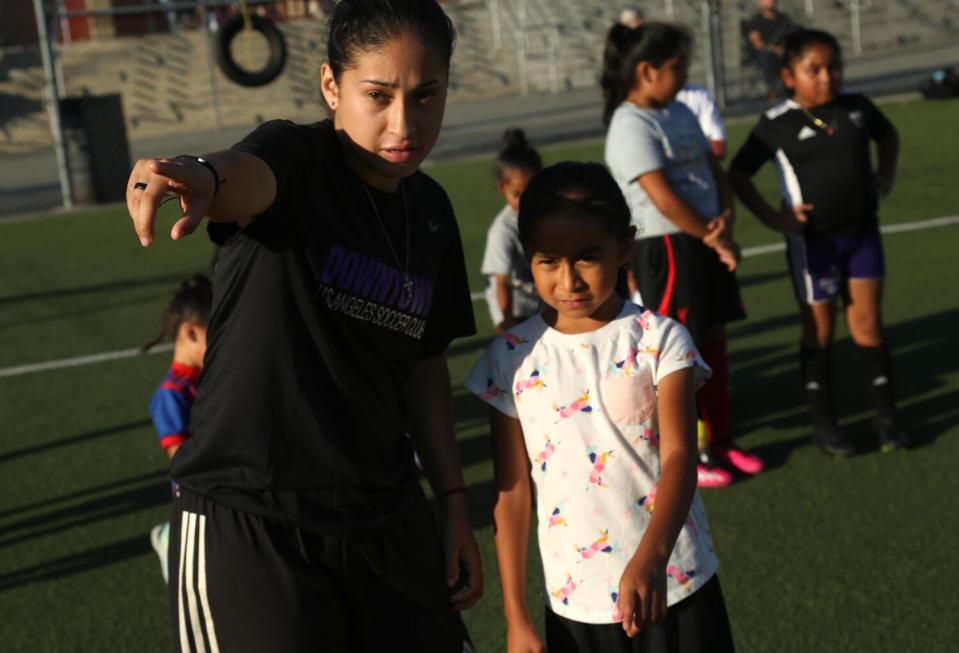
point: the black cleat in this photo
(831, 440)
(889, 436)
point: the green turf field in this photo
(817, 554)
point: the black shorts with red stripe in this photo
(240, 582)
(680, 277)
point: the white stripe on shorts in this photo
(201, 586)
(190, 587)
(191, 581)
(181, 619)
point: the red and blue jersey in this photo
(170, 404)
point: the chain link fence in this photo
(165, 64)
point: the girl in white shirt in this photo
(509, 291)
(593, 412)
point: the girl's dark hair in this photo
(626, 48)
(583, 190)
(190, 302)
(517, 154)
(799, 40)
(358, 25)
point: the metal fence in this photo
(158, 60)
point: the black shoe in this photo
(889, 436)
(831, 440)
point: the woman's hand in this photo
(464, 575)
(642, 592)
(153, 179)
(521, 637)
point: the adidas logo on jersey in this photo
(806, 132)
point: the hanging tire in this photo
(276, 46)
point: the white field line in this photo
(476, 296)
(758, 250)
(80, 360)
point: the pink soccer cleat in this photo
(710, 476)
(738, 459)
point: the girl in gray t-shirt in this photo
(682, 207)
(510, 294)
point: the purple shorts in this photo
(820, 266)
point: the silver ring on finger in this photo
(140, 185)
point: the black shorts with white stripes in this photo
(240, 582)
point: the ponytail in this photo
(614, 87)
(191, 302)
(517, 154)
(627, 47)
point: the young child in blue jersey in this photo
(819, 141)
(509, 291)
(184, 322)
(682, 208)
(592, 403)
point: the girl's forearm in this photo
(674, 495)
(684, 216)
(657, 187)
(511, 519)
(753, 200)
(723, 187)
(887, 151)
(511, 513)
(504, 295)
(677, 455)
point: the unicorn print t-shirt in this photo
(587, 405)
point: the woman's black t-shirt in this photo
(300, 412)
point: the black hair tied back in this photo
(362, 25)
(574, 188)
(191, 302)
(626, 47)
(517, 154)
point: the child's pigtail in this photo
(517, 154)
(612, 82)
(191, 301)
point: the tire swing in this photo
(276, 46)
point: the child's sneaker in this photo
(831, 440)
(160, 541)
(710, 476)
(889, 436)
(708, 472)
(738, 459)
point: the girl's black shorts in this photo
(680, 277)
(240, 582)
(697, 624)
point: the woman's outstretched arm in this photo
(231, 187)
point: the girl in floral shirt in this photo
(593, 412)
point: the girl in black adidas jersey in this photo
(300, 524)
(819, 141)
